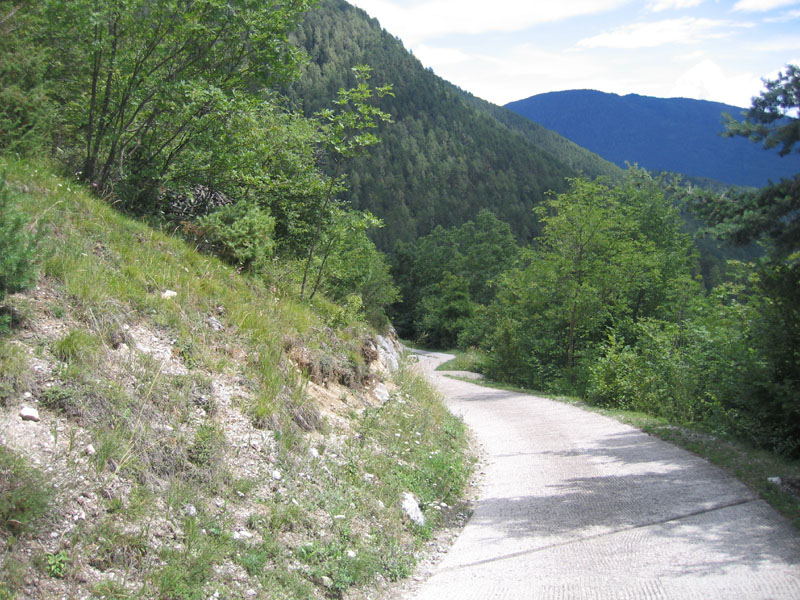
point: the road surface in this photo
(576, 505)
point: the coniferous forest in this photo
(302, 154)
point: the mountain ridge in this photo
(448, 154)
(681, 135)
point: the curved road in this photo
(577, 505)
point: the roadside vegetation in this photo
(225, 440)
(610, 304)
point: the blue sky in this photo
(504, 50)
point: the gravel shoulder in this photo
(576, 505)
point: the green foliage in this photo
(772, 119)
(768, 216)
(143, 81)
(26, 111)
(446, 309)
(345, 135)
(17, 260)
(712, 370)
(78, 346)
(241, 234)
(57, 564)
(609, 256)
(14, 375)
(447, 155)
(447, 277)
(356, 268)
(25, 494)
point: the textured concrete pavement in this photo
(577, 505)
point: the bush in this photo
(17, 259)
(24, 493)
(241, 234)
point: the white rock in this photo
(388, 352)
(215, 324)
(27, 395)
(368, 477)
(90, 450)
(411, 508)
(351, 554)
(381, 393)
(276, 475)
(775, 480)
(28, 413)
(189, 510)
(167, 294)
(313, 452)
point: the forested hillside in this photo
(447, 154)
(680, 135)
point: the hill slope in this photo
(198, 433)
(660, 134)
(448, 154)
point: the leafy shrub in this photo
(241, 234)
(17, 259)
(24, 493)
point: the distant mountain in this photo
(448, 154)
(660, 134)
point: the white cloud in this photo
(432, 55)
(708, 81)
(417, 21)
(789, 15)
(686, 30)
(662, 5)
(778, 44)
(762, 5)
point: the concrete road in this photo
(577, 505)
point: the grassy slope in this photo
(178, 459)
(753, 466)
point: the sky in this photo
(505, 50)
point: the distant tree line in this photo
(608, 302)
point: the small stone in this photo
(251, 593)
(313, 452)
(167, 294)
(775, 480)
(411, 508)
(327, 581)
(27, 395)
(215, 324)
(90, 450)
(351, 554)
(276, 475)
(189, 510)
(381, 393)
(29, 414)
(368, 477)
